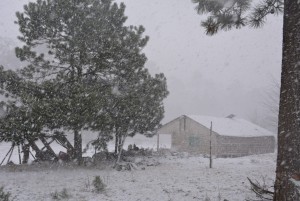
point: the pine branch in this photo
(260, 11)
(228, 14)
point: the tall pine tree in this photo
(78, 51)
(227, 14)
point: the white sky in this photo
(219, 75)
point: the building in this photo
(229, 136)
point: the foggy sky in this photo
(228, 73)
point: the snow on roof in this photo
(231, 126)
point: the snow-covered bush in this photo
(60, 195)
(98, 184)
(207, 198)
(4, 196)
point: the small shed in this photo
(228, 137)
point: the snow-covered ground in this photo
(177, 178)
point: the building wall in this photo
(229, 146)
(190, 136)
(172, 128)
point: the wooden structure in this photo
(42, 154)
(47, 153)
(230, 136)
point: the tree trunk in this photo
(116, 143)
(120, 142)
(120, 148)
(78, 146)
(288, 159)
(25, 150)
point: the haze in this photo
(230, 73)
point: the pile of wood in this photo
(45, 153)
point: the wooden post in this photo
(210, 154)
(7, 154)
(47, 145)
(157, 141)
(13, 146)
(31, 154)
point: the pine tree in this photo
(79, 51)
(21, 121)
(135, 102)
(227, 14)
(138, 107)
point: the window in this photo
(194, 141)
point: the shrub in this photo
(4, 196)
(98, 184)
(60, 195)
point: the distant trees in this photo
(228, 14)
(88, 70)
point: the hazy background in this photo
(232, 72)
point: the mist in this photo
(230, 73)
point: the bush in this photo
(4, 196)
(261, 190)
(98, 184)
(60, 195)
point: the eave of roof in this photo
(231, 126)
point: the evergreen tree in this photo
(135, 102)
(21, 121)
(137, 106)
(33, 109)
(227, 14)
(77, 51)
